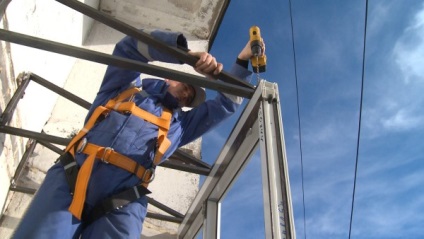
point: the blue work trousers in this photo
(48, 215)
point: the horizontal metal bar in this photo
(124, 63)
(20, 189)
(45, 139)
(164, 217)
(185, 167)
(60, 91)
(188, 158)
(146, 38)
(165, 208)
(34, 135)
(51, 147)
(11, 106)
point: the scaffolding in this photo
(259, 126)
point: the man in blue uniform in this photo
(133, 125)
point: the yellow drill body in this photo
(258, 59)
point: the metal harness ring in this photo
(82, 145)
(152, 170)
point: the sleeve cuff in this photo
(173, 39)
(243, 63)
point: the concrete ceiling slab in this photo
(197, 18)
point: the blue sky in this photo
(328, 37)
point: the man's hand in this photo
(207, 64)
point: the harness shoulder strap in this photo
(90, 123)
(163, 140)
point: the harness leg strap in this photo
(71, 169)
(115, 202)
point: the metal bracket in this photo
(269, 91)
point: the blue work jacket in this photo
(136, 138)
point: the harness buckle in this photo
(152, 171)
(82, 145)
(103, 159)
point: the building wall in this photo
(48, 20)
(10, 146)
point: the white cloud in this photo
(409, 50)
(385, 204)
(378, 16)
(393, 94)
(403, 120)
(389, 219)
(386, 207)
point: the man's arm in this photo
(209, 114)
(130, 48)
(117, 79)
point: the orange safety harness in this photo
(122, 103)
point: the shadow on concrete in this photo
(10, 222)
(27, 182)
(97, 33)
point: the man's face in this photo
(184, 93)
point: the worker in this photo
(120, 145)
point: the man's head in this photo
(187, 95)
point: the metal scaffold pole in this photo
(212, 221)
(278, 211)
(260, 124)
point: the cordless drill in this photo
(258, 59)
